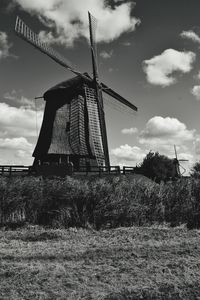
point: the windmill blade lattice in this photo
(115, 95)
(31, 37)
(93, 45)
(92, 29)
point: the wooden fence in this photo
(13, 170)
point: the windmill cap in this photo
(69, 86)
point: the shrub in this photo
(157, 167)
(195, 172)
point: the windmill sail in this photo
(92, 28)
(93, 45)
(31, 37)
(175, 152)
(115, 95)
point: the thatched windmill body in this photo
(73, 127)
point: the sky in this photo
(148, 51)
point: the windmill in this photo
(73, 127)
(177, 164)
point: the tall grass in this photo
(99, 202)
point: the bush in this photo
(195, 172)
(157, 167)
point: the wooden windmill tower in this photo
(73, 127)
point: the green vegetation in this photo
(133, 263)
(195, 172)
(157, 167)
(94, 202)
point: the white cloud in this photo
(71, 20)
(20, 143)
(17, 134)
(130, 131)
(15, 157)
(191, 35)
(165, 131)
(49, 38)
(106, 54)
(185, 156)
(159, 69)
(196, 91)
(17, 122)
(17, 98)
(126, 153)
(4, 45)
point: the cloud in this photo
(15, 157)
(17, 134)
(159, 69)
(165, 131)
(126, 153)
(106, 55)
(196, 91)
(197, 145)
(69, 17)
(4, 46)
(186, 156)
(130, 131)
(20, 143)
(126, 44)
(17, 122)
(191, 35)
(19, 99)
(49, 38)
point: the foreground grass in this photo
(115, 264)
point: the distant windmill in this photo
(177, 164)
(73, 127)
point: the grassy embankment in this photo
(115, 264)
(107, 202)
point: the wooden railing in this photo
(13, 169)
(99, 170)
(106, 170)
(9, 170)
(128, 170)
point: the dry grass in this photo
(117, 264)
(110, 201)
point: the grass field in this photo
(115, 264)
